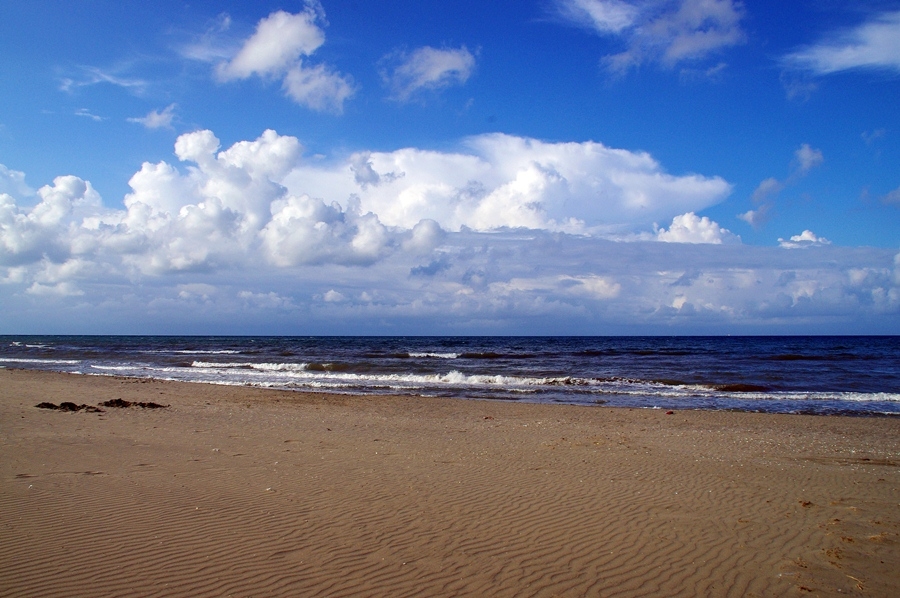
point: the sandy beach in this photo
(233, 491)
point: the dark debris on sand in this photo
(117, 403)
(121, 403)
(69, 406)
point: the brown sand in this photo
(243, 492)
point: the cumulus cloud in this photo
(872, 45)
(254, 235)
(498, 180)
(426, 68)
(156, 119)
(259, 203)
(690, 228)
(280, 48)
(668, 32)
(277, 44)
(805, 239)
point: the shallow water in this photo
(821, 375)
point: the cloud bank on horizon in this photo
(483, 232)
(503, 237)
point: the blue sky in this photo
(537, 167)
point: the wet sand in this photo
(232, 491)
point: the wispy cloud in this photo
(156, 119)
(12, 182)
(872, 45)
(426, 68)
(214, 45)
(88, 114)
(668, 32)
(805, 159)
(90, 75)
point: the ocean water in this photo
(813, 374)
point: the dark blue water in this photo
(821, 375)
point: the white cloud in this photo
(805, 159)
(91, 75)
(690, 228)
(278, 49)
(254, 238)
(427, 68)
(808, 158)
(610, 16)
(156, 119)
(506, 181)
(667, 32)
(805, 239)
(318, 88)
(758, 217)
(277, 45)
(87, 114)
(12, 182)
(874, 45)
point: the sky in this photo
(528, 167)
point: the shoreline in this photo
(599, 403)
(248, 491)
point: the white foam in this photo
(265, 367)
(435, 355)
(44, 361)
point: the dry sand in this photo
(243, 492)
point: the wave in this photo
(40, 361)
(191, 352)
(321, 376)
(434, 355)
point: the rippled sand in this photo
(232, 491)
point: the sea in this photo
(825, 375)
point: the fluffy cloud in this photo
(258, 203)
(873, 45)
(254, 238)
(156, 119)
(507, 181)
(278, 43)
(805, 239)
(278, 49)
(427, 68)
(668, 32)
(318, 88)
(690, 228)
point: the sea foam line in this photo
(44, 361)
